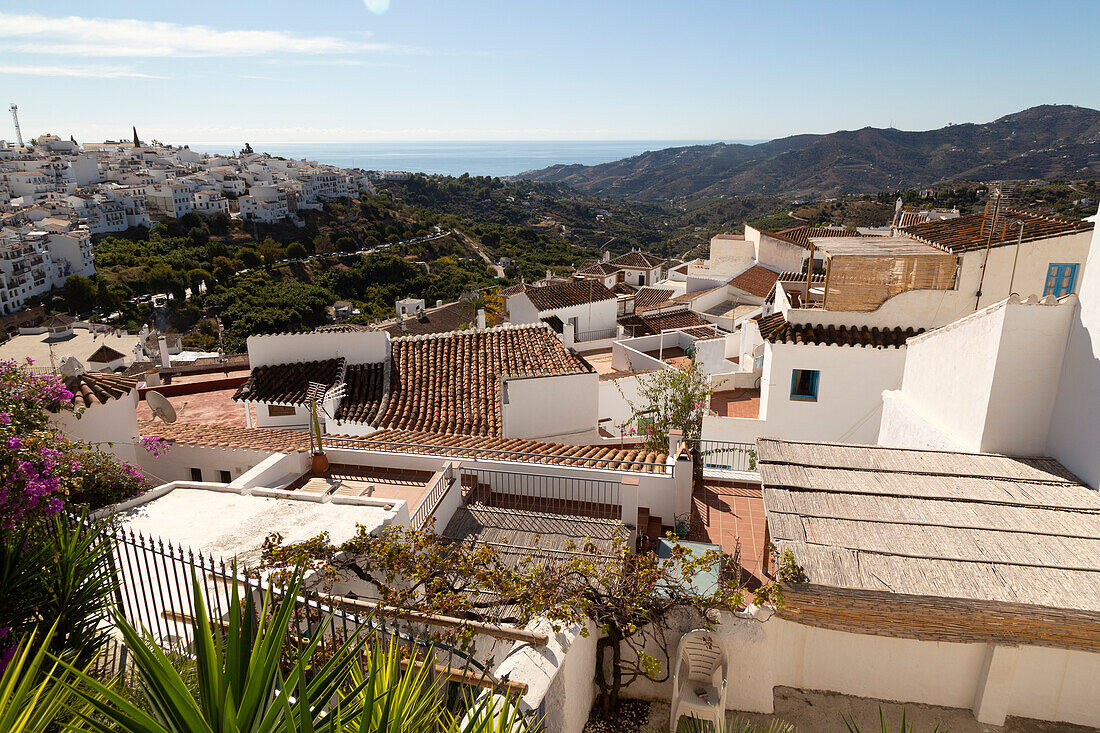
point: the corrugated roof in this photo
(776, 329)
(931, 523)
(974, 231)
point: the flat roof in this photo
(81, 344)
(974, 526)
(228, 524)
(874, 247)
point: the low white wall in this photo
(1037, 682)
(273, 472)
(710, 354)
(358, 347)
(904, 425)
(112, 426)
(560, 676)
(615, 396)
(176, 464)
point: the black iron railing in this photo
(546, 494)
(726, 456)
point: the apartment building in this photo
(265, 204)
(33, 262)
(174, 199)
(208, 201)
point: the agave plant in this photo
(35, 692)
(739, 725)
(884, 727)
(239, 684)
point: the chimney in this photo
(549, 275)
(568, 335)
(165, 361)
(675, 439)
(481, 318)
(438, 303)
(607, 256)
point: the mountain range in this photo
(1047, 142)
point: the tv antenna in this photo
(161, 407)
(15, 118)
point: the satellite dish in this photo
(161, 407)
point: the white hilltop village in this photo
(910, 411)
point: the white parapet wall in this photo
(358, 347)
(993, 681)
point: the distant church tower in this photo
(137, 143)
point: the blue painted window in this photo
(1061, 279)
(804, 384)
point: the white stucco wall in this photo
(730, 256)
(547, 407)
(1031, 267)
(849, 395)
(112, 426)
(521, 310)
(775, 253)
(1072, 436)
(358, 347)
(986, 382)
(176, 464)
(598, 316)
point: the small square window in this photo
(1061, 279)
(196, 474)
(804, 384)
(225, 477)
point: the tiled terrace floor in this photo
(377, 483)
(736, 403)
(723, 513)
(204, 408)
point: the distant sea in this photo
(478, 158)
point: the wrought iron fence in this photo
(539, 493)
(725, 456)
(156, 592)
(596, 335)
(438, 489)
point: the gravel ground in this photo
(821, 712)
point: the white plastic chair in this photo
(699, 682)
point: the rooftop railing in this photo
(726, 456)
(584, 457)
(438, 489)
(543, 494)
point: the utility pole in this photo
(15, 119)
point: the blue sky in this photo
(513, 69)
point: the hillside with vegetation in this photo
(1051, 142)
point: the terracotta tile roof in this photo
(655, 322)
(450, 382)
(288, 384)
(224, 436)
(609, 457)
(967, 233)
(776, 329)
(801, 235)
(516, 289)
(598, 268)
(651, 297)
(105, 354)
(567, 294)
(342, 328)
(638, 260)
(757, 280)
(58, 320)
(788, 276)
(623, 289)
(365, 393)
(93, 388)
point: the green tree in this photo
(346, 244)
(670, 399)
(80, 293)
(296, 251)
